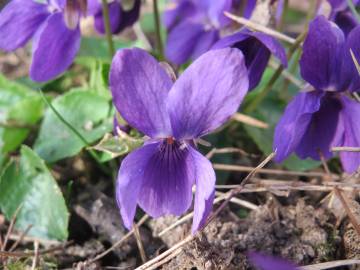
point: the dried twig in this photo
(139, 243)
(221, 197)
(148, 265)
(239, 202)
(345, 149)
(350, 214)
(162, 262)
(31, 239)
(287, 75)
(329, 265)
(248, 120)
(265, 185)
(30, 254)
(260, 28)
(118, 243)
(11, 228)
(238, 168)
(22, 235)
(325, 166)
(36, 255)
(226, 150)
(237, 190)
(184, 218)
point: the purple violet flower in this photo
(342, 15)
(194, 26)
(325, 117)
(265, 262)
(257, 48)
(54, 27)
(120, 18)
(160, 175)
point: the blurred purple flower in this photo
(54, 27)
(159, 176)
(317, 120)
(120, 18)
(342, 15)
(257, 48)
(265, 262)
(194, 26)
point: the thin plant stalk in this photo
(353, 9)
(108, 33)
(158, 29)
(282, 19)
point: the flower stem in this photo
(267, 88)
(353, 9)
(106, 16)
(158, 29)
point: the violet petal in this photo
(18, 22)
(207, 93)
(181, 41)
(321, 56)
(265, 262)
(54, 48)
(294, 123)
(321, 130)
(140, 87)
(205, 189)
(349, 119)
(130, 180)
(167, 181)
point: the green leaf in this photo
(20, 108)
(26, 112)
(119, 145)
(88, 112)
(30, 187)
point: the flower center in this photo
(170, 140)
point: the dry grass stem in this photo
(139, 243)
(248, 120)
(329, 265)
(350, 214)
(287, 75)
(260, 28)
(127, 236)
(226, 150)
(238, 168)
(10, 229)
(239, 202)
(148, 265)
(238, 189)
(20, 239)
(345, 149)
(36, 255)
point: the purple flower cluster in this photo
(54, 26)
(325, 116)
(195, 25)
